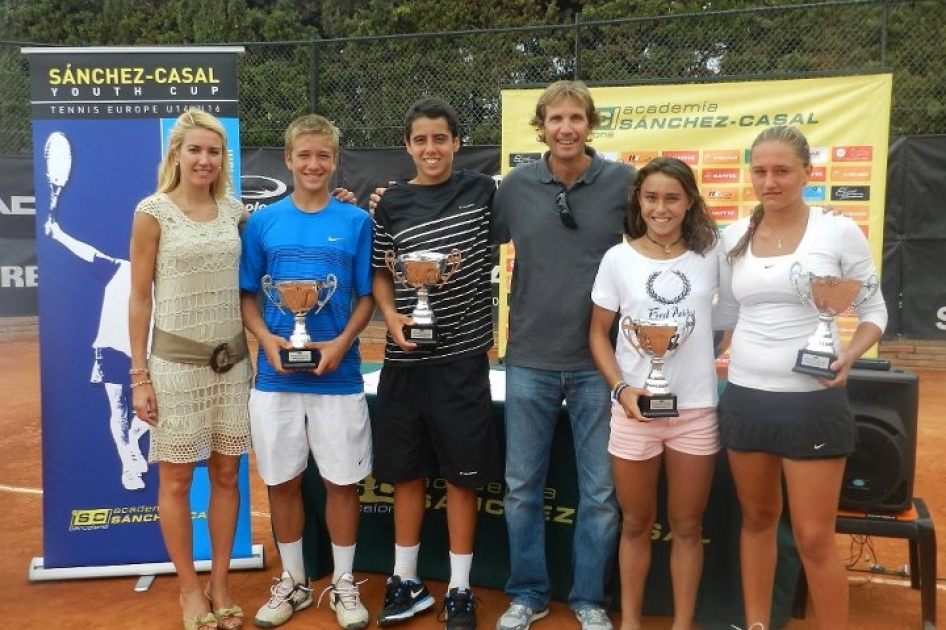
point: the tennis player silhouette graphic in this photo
(110, 347)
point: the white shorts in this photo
(694, 431)
(286, 426)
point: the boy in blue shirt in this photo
(309, 236)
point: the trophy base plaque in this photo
(423, 335)
(659, 406)
(815, 363)
(299, 358)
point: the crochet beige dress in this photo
(197, 295)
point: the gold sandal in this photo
(206, 621)
(230, 618)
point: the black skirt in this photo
(795, 425)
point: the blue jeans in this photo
(533, 402)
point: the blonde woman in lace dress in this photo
(193, 389)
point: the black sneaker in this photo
(403, 600)
(459, 610)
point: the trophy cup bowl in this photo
(829, 296)
(299, 297)
(423, 271)
(657, 338)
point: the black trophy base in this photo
(659, 406)
(422, 335)
(299, 358)
(814, 363)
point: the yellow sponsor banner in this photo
(711, 127)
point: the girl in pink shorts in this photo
(662, 277)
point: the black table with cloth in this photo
(720, 600)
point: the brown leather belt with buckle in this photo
(220, 358)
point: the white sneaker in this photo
(287, 596)
(137, 462)
(593, 618)
(132, 480)
(520, 617)
(345, 601)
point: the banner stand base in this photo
(39, 573)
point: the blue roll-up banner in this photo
(101, 117)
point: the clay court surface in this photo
(878, 602)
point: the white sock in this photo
(460, 565)
(405, 562)
(344, 559)
(292, 560)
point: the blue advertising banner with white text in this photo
(100, 123)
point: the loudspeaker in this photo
(878, 477)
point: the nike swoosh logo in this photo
(335, 239)
(769, 266)
(416, 593)
(819, 446)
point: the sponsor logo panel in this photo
(89, 518)
(716, 193)
(103, 518)
(819, 155)
(814, 193)
(725, 214)
(850, 193)
(852, 154)
(638, 158)
(720, 176)
(851, 173)
(860, 214)
(690, 157)
(515, 159)
(721, 156)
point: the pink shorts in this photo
(694, 431)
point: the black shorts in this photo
(437, 420)
(794, 425)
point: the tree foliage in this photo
(362, 62)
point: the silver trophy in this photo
(657, 338)
(423, 271)
(830, 296)
(299, 297)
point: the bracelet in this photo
(134, 371)
(619, 387)
(140, 383)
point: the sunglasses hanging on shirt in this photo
(565, 211)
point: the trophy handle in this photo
(451, 266)
(684, 330)
(390, 259)
(796, 275)
(329, 286)
(870, 287)
(267, 285)
(629, 330)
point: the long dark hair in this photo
(699, 227)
